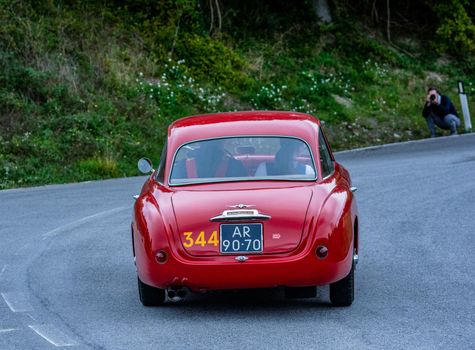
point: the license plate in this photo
(240, 238)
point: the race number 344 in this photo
(200, 239)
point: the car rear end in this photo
(250, 223)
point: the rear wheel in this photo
(342, 293)
(150, 296)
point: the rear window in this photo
(243, 159)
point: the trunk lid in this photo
(282, 232)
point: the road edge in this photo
(402, 143)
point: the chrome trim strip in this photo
(244, 179)
(241, 206)
(241, 258)
(240, 214)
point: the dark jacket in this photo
(441, 110)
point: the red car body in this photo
(305, 215)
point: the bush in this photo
(456, 32)
(209, 59)
(97, 168)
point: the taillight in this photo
(321, 251)
(161, 257)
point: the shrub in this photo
(456, 32)
(98, 167)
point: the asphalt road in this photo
(67, 276)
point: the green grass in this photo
(86, 90)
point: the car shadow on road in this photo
(249, 299)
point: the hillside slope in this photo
(87, 89)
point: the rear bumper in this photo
(225, 272)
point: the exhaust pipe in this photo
(176, 294)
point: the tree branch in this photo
(388, 24)
(374, 12)
(218, 11)
(177, 29)
(211, 25)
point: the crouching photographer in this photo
(439, 110)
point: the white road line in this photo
(52, 335)
(8, 330)
(79, 222)
(3, 270)
(17, 302)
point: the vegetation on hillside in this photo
(87, 88)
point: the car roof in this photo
(247, 123)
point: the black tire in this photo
(150, 296)
(342, 293)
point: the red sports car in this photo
(245, 200)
